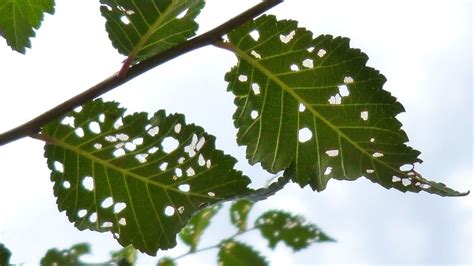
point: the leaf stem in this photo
(215, 35)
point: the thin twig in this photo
(215, 35)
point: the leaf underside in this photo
(19, 19)
(233, 253)
(140, 178)
(314, 103)
(292, 230)
(141, 29)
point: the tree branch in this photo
(34, 126)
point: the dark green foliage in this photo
(314, 103)
(140, 178)
(233, 253)
(192, 232)
(239, 212)
(65, 257)
(292, 230)
(5, 255)
(20, 18)
(140, 29)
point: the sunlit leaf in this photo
(140, 29)
(125, 256)
(314, 103)
(192, 232)
(166, 262)
(292, 230)
(5, 255)
(239, 212)
(19, 19)
(64, 257)
(140, 177)
(233, 253)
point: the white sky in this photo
(424, 48)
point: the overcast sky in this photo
(424, 48)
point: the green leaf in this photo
(65, 257)
(140, 178)
(125, 256)
(239, 212)
(166, 261)
(192, 232)
(5, 255)
(292, 230)
(314, 103)
(141, 29)
(233, 253)
(19, 19)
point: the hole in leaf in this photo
(190, 171)
(321, 52)
(336, 99)
(119, 145)
(102, 118)
(201, 160)
(98, 146)
(348, 80)
(177, 128)
(58, 166)
(211, 194)
(372, 140)
(286, 39)
(310, 49)
(370, 171)
(377, 154)
(178, 172)
(255, 35)
(116, 235)
(200, 143)
(152, 150)
(163, 166)
(169, 211)
(68, 121)
(79, 132)
(294, 67)
(256, 88)
(184, 188)
(332, 153)
(78, 109)
(255, 54)
(243, 78)
(343, 91)
(406, 182)
(181, 209)
(181, 160)
(308, 63)
(130, 146)
(106, 203)
(328, 170)
(406, 167)
(182, 14)
(141, 158)
(254, 114)
(110, 138)
(364, 115)
(119, 152)
(123, 221)
(304, 135)
(425, 186)
(88, 183)
(66, 184)
(119, 206)
(118, 123)
(94, 127)
(153, 131)
(208, 163)
(301, 108)
(93, 217)
(138, 141)
(107, 224)
(125, 20)
(81, 213)
(169, 144)
(122, 137)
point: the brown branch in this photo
(215, 35)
